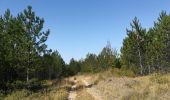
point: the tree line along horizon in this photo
(24, 57)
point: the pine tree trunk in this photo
(27, 74)
(28, 63)
(140, 62)
(149, 69)
(140, 57)
(49, 74)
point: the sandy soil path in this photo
(91, 89)
(73, 92)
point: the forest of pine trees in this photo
(24, 56)
(145, 51)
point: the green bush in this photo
(17, 95)
(18, 84)
(123, 72)
(34, 85)
(128, 73)
(158, 78)
(1, 96)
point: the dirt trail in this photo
(116, 88)
(73, 92)
(72, 95)
(95, 93)
(91, 89)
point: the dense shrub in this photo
(158, 78)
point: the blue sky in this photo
(82, 26)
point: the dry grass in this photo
(110, 86)
(139, 88)
(83, 95)
(115, 85)
(58, 94)
(113, 72)
(55, 92)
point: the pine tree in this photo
(159, 46)
(35, 41)
(133, 49)
(90, 63)
(74, 67)
(107, 57)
